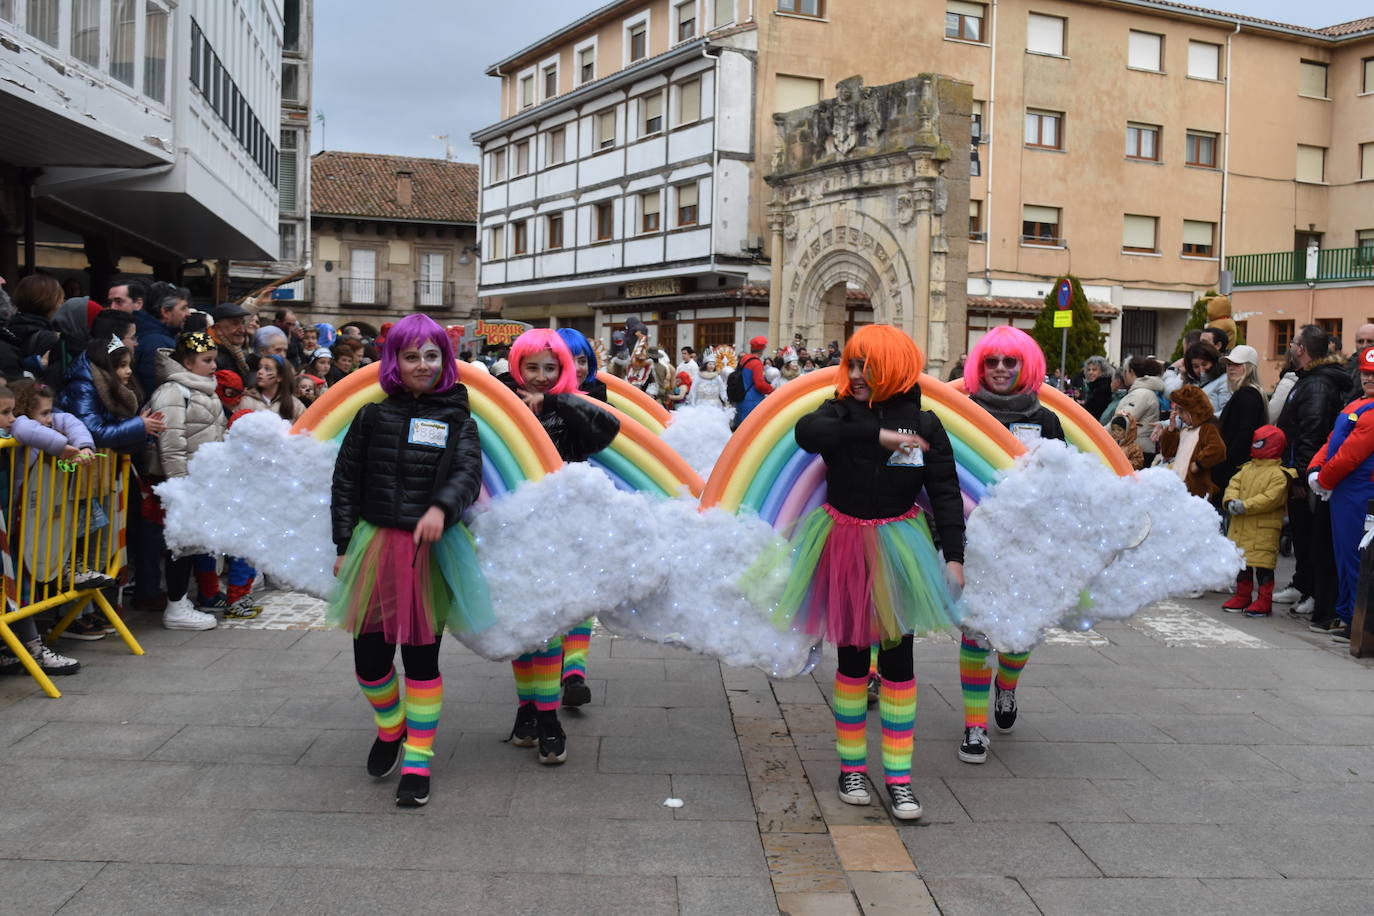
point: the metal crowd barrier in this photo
(59, 517)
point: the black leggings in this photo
(179, 571)
(895, 664)
(373, 658)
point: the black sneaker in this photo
(553, 744)
(854, 789)
(575, 691)
(975, 746)
(413, 791)
(525, 733)
(1327, 626)
(875, 687)
(1004, 709)
(85, 628)
(905, 807)
(384, 757)
(1343, 634)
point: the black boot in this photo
(384, 757)
(525, 732)
(553, 744)
(413, 791)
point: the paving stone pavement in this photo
(1187, 761)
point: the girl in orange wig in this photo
(864, 566)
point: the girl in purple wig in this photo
(408, 469)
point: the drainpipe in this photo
(715, 144)
(989, 120)
(1225, 161)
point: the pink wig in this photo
(413, 332)
(536, 340)
(1005, 340)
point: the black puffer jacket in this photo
(862, 484)
(403, 456)
(1023, 409)
(578, 428)
(1310, 412)
(594, 387)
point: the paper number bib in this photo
(433, 433)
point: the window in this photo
(287, 235)
(85, 31)
(1043, 129)
(286, 171)
(1201, 149)
(1142, 142)
(498, 242)
(687, 196)
(1138, 234)
(586, 65)
(1311, 163)
(522, 157)
(1198, 238)
(1367, 160)
(686, 20)
(977, 129)
(605, 221)
(639, 42)
(605, 129)
(1281, 333)
(650, 114)
(724, 12)
(795, 92)
(1145, 51)
(498, 165)
(527, 92)
(291, 25)
(1040, 226)
(155, 55)
(975, 221)
(1045, 34)
(290, 81)
(123, 16)
(550, 82)
(555, 226)
(520, 237)
(41, 22)
(1367, 78)
(1332, 326)
(964, 20)
(555, 146)
(1364, 242)
(649, 212)
(1312, 79)
(689, 102)
(801, 7)
(1204, 60)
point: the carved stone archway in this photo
(863, 187)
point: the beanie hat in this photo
(1268, 442)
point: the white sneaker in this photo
(51, 662)
(1289, 595)
(181, 616)
(1304, 607)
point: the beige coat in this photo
(1141, 404)
(193, 414)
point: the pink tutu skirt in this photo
(859, 581)
(385, 586)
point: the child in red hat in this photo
(1256, 499)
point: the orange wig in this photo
(892, 362)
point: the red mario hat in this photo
(757, 344)
(1366, 360)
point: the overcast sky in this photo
(390, 77)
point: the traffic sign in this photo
(1064, 294)
(1063, 319)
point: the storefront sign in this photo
(664, 286)
(500, 333)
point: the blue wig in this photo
(579, 345)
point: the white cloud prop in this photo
(699, 435)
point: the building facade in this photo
(391, 235)
(138, 130)
(1135, 144)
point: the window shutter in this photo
(976, 10)
(1196, 232)
(1143, 51)
(689, 102)
(1311, 163)
(795, 92)
(1139, 232)
(687, 195)
(287, 180)
(1312, 80)
(1045, 34)
(650, 203)
(1034, 214)
(1367, 160)
(1204, 60)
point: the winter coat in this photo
(1356, 448)
(193, 414)
(109, 410)
(756, 387)
(1141, 403)
(1099, 394)
(1110, 410)
(861, 483)
(1280, 395)
(1208, 452)
(153, 336)
(1245, 412)
(1218, 391)
(1022, 414)
(578, 428)
(403, 456)
(39, 339)
(593, 387)
(1310, 414)
(1262, 485)
(1124, 437)
(65, 430)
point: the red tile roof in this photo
(365, 184)
(1350, 28)
(1026, 307)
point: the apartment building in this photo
(138, 131)
(1134, 143)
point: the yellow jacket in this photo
(1262, 485)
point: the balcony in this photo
(364, 291)
(1322, 265)
(435, 294)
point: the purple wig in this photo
(533, 341)
(1005, 340)
(413, 332)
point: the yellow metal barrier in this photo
(65, 517)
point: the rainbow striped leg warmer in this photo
(423, 700)
(385, 697)
(523, 669)
(575, 646)
(897, 704)
(851, 718)
(546, 675)
(873, 659)
(1009, 669)
(974, 678)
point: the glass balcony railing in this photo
(1317, 265)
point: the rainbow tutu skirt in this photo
(860, 581)
(386, 586)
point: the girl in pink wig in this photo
(1003, 374)
(408, 469)
(544, 375)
